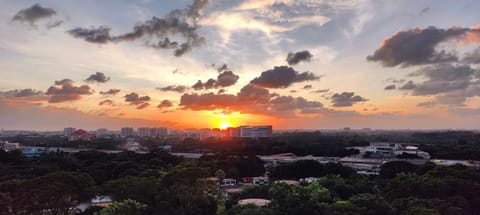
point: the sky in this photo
(293, 64)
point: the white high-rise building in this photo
(68, 131)
(255, 131)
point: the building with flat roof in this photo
(68, 131)
(127, 132)
(255, 131)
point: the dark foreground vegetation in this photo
(159, 183)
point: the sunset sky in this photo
(294, 64)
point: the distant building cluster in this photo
(7, 146)
(238, 132)
(390, 150)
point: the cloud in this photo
(110, 92)
(418, 46)
(390, 87)
(142, 106)
(140, 101)
(251, 99)
(346, 99)
(174, 88)
(408, 86)
(22, 93)
(98, 77)
(424, 11)
(395, 81)
(465, 111)
(282, 77)
(93, 35)
(65, 90)
(449, 84)
(443, 78)
(321, 91)
(178, 23)
(135, 99)
(107, 102)
(472, 57)
(33, 14)
(224, 79)
(165, 104)
(297, 57)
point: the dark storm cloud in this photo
(297, 57)
(182, 23)
(98, 77)
(110, 92)
(174, 88)
(107, 102)
(308, 86)
(408, 86)
(165, 104)
(472, 57)
(282, 77)
(224, 79)
(65, 90)
(33, 14)
(418, 46)
(346, 99)
(390, 87)
(135, 99)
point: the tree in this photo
(371, 204)
(125, 207)
(55, 193)
(250, 209)
(391, 169)
(220, 174)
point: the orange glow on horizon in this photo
(224, 125)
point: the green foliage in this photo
(125, 207)
(234, 166)
(309, 168)
(293, 199)
(391, 169)
(250, 209)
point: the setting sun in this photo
(224, 125)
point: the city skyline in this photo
(216, 64)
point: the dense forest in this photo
(159, 183)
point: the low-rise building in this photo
(7, 146)
(80, 134)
